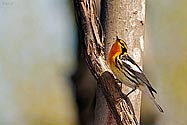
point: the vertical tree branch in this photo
(123, 18)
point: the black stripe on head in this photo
(123, 46)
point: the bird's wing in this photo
(135, 69)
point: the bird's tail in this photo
(149, 92)
(157, 105)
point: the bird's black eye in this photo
(124, 50)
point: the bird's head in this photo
(119, 47)
(122, 45)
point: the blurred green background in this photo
(38, 55)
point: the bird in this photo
(128, 72)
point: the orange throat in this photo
(114, 52)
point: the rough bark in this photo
(94, 50)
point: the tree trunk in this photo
(123, 18)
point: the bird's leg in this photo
(131, 91)
(125, 96)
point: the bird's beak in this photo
(117, 38)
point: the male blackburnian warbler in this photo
(128, 72)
